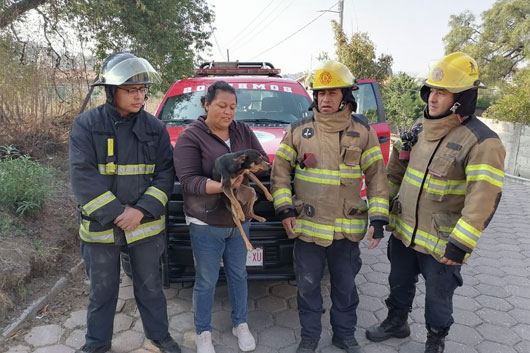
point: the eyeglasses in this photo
(133, 91)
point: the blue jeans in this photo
(211, 244)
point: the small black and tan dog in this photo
(226, 169)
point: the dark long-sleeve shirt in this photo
(194, 156)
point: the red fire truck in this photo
(268, 103)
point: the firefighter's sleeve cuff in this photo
(454, 253)
(378, 218)
(378, 228)
(143, 210)
(284, 215)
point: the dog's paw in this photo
(259, 219)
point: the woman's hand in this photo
(215, 187)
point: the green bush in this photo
(514, 104)
(24, 184)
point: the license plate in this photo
(255, 257)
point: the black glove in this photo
(453, 252)
(284, 215)
(378, 228)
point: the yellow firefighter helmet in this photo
(456, 72)
(333, 74)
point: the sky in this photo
(409, 30)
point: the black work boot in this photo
(307, 346)
(435, 339)
(167, 345)
(89, 349)
(395, 325)
(349, 345)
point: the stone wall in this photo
(516, 140)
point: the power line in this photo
(283, 40)
(258, 28)
(355, 14)
(250, 23)
(255, 26)
(217, 43)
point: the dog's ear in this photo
(241, 159)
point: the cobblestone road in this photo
(492, 309)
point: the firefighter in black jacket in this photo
(121, 167)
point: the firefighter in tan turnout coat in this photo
(329, 152)
(445, 177)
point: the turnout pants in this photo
(440, 283)
(103, 268)
(344, 262)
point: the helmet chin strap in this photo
(454, 108)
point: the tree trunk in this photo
(11, 13)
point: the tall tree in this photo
(358, 54)
(514, 104)
(10, 10)
(402, 101)
(165, 32)
(500, 44)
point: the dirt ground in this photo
(36, 251)
(72, 298)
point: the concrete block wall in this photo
(516, 140)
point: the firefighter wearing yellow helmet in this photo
(445, 177)
(329, 152)
(335, 75)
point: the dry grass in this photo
(5, 303)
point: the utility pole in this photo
(341, 13)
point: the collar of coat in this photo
(435, 129)
(333, 122)
(138, 128)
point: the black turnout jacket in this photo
(117, 161)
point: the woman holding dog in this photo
(214, 236)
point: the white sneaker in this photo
(204, 342)
(245, 339)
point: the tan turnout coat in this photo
(450, 188)
(327, 193)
